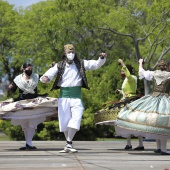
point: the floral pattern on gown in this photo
(29, 108)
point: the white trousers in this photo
(70, 113)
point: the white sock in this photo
(71, 134)
(140, 141)
(158, 144)
(129, 141)
(30, 134)
(66, 134)
(25, 133)
(163, 145)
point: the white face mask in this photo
(70, 56)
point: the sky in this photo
(23, 3)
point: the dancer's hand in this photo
(141, 61)
(103, 55)
(120, 61)
(10, 86)
(44, 79)
(117, 91)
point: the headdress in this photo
(69, 47)
(162, 62)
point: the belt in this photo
(71, 92)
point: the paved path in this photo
(92, 155)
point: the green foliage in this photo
(13, 132)
(50, 131)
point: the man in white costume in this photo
(70, 79)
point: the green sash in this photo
(71, 92)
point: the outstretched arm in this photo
(140, 64)
(126, 71)
(148, 75)
(95, 64)
(49, 74)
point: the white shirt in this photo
(158, 75)
(71, 76)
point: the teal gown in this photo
(148, 116)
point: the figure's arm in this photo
(49, 74)
(95, 64)
(148, 75)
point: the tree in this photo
(8, 19)
(148, 29)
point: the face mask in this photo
(123, 75)
(28, 72)
(70, 56)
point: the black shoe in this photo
(141, 148)
(128, 147)
(23, 148)
(158, 151)
(165, 153)
(30, 147)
